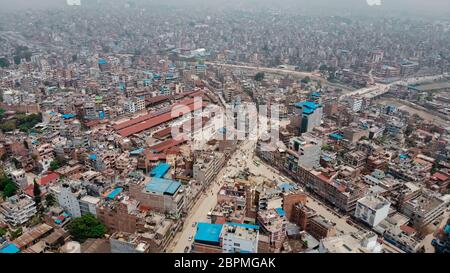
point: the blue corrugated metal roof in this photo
(11, 248)
(161, 185)
(307, 106)
(114, 193)
(93, 156)
(137, 151)
(280, 212)
(160, 170)
(208, 232)
(67, 116)
(336, 136)
(285, 186)
(102, 61)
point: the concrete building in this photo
(122, 242)
(207, 238)
(360, 242)
(19, 177)
(308, 115)
(372, 209)
(240, 238)
(88, 204)
(307, 151)
(67, 196)
(273, 224)
(320, 227)
(425, 208)
(159, 194)
(18, 209)
(206, 166)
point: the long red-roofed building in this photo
(133, 126)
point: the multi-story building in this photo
(307, 116)
(425, 208)
(120, 216)
(239, 238)
(320, 227)
(88, 204)
(68, 196)
(306, 152)
(372, 209)
(273, 224)
(18, 209)
(122, 242)
(206, 166)
(159, 194)
(360, 242)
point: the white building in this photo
(140, 104)
(359, 242)
(355, 103)
(19, 177)
(88, 204)
(240, 238)
(372, 209)
(129, 106)
(67, 198)
(18, 209)
(11, 97)
(307, 149)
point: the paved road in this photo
(199, 212)
(426, 242)
(380, 89)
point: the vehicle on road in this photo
(193, 224)
(186, 249)
(190, 238)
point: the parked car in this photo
(190, 238)
(186, 249)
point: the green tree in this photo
(3, 231)
(8, 126)
(305, 244)
(16, 233)
(86, 226)
(10, 189)
(50, 200)
(37, 193)
(4, 180)
(55, 164)
(259, 76)
(306, 79)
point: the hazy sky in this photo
(417, 7)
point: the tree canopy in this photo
(85, 227)
(8, 186)
(259, 76)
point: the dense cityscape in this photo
(146, 127)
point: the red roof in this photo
(440, 176)
(151, 115)
(167, 144)
(407, 229)
(29, 190)
(163, 133)
(167, 131)
(157, 99)
(155, 121)
(49, 178)
(154, 157)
